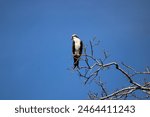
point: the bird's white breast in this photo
(77, 45)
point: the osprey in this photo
(77, 46)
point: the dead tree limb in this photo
(92, 66)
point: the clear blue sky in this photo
(35, 43)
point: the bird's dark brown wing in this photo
(81, 48)
(73, 47)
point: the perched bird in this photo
(77, 46)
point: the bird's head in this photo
(74, 36)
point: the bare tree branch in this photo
(92, 66)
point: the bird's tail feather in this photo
(76, 62)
